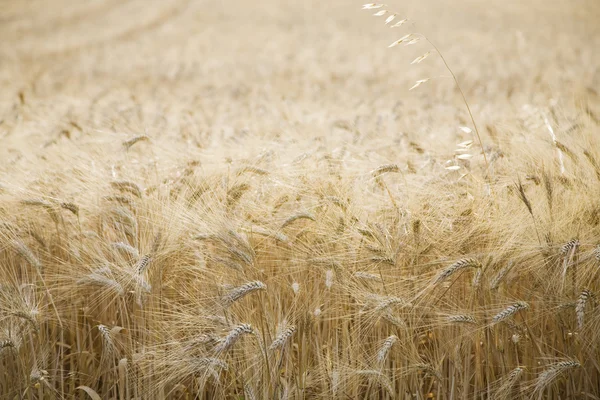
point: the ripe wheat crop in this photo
(299, 200)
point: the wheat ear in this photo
(283, 337)
(233, 336)
(509, 311)
(580, 307)
(457, 266)
(553, 372)
(385, 348)
(241, 291)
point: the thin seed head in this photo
(329, 278)
(509, 311)
(553, 372)
(571, 245)
(241, 291)
(283, 337)
(127, 144)
(459, 265)
(385, 348)
(372, 6)
(580, 307)
(367, 276)
(106, 338)
(142, 265)
(27, 254)
(500, 276)
(126, 248)
(387, 168)
(249, 392)
(296, 217)
(74, 208)
(232, 337)
(462, 319)
(126, 186)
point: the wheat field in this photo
(244, 200)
